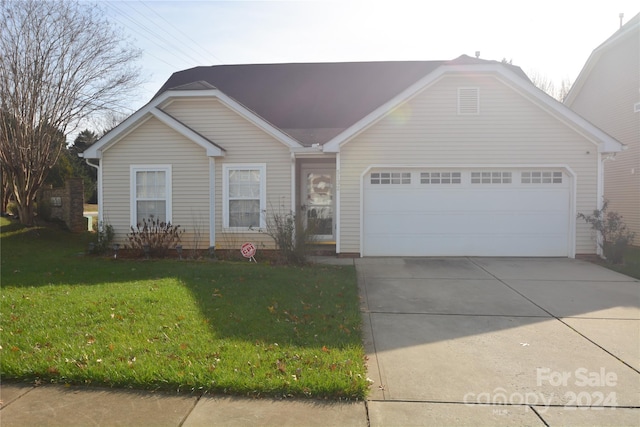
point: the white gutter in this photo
(98, 168)
(602, 158)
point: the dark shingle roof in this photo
(313, 101)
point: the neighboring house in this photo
(431, 158)
(607, 93)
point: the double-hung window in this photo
(244, 188)
(150, 193)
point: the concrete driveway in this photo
(500, 341)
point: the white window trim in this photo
(226, 168)
(132, 190)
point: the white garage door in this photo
(456, 212)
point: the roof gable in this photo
(141, 116)
(313, 102)
(630, 29)
(605, 142)
(153, 108)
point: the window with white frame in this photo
(541, 177)
(440, 177)
(150, 193)
(244, 188)
(494, 177)
(391, 178)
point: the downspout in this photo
(600, 194)
(98, 168)
(293, 184)
(336, 214)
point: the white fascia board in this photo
(132, 122)
(602, 140)
(211, 149)
(238, 108)
(333, 145)
(143, 114)
(308, 152)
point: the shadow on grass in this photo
(243, 300)
(292, 319)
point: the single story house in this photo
(417, 158)
(607, 93)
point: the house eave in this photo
(211, 148)
(602, 140)
(628, 30)
(154, 109)
(248, 114)
(308, 152)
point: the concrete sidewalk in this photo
(54, 405)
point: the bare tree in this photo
(60, 62)
(547, 85)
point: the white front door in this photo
(317, 202)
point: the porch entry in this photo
(318, 201)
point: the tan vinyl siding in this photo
(509, 130)
(607, 99)
(153, 143)
(244, 143)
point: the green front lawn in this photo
(240, 328)
(631, 266)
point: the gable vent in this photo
(468, 100)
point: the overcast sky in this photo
(552, 38)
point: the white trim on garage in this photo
(571, 186)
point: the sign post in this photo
(248, 250)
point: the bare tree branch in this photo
(547, 85)
(60, 62)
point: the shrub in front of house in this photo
(153, 238)
(615, 236)
(291, 237)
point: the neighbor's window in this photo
(150, 193)
(244, 188)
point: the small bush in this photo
(291, 237)
(104, 239)
(12, 209)
(615, 236)
(155, 236)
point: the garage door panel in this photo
(475, 245)
(467, 219)
(484, 223)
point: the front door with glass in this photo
(317, 202)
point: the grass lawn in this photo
(631, 266)
(238, 328)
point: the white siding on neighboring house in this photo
(154, 143)
(244, 144)
(509, 130)
(607, 98)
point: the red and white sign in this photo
(248, 250)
